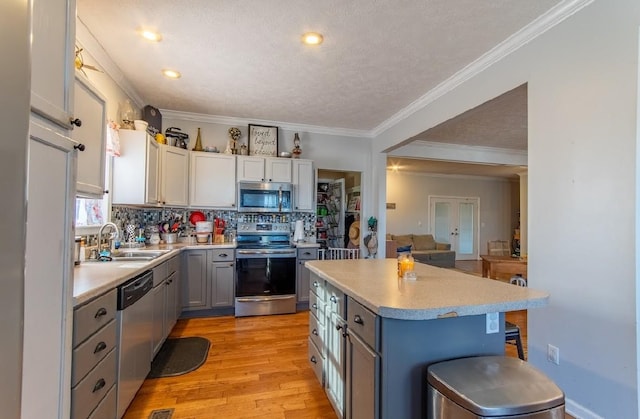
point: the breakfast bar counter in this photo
(375, 334)
(436, 293)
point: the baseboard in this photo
(578, 411)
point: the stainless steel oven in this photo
(265, 270)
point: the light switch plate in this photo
(493, 323)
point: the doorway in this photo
(455, 220)
(338, 208)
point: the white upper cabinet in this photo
(212, 180)
(174, 176)
(303, 185)
(264, 169)
(53, 55)
(91, 137)
(136, 171)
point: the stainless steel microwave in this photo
(265, 197)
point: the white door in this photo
(455, 220)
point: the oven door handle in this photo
(246, 254)
(258, 299)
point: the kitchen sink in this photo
(137, 254)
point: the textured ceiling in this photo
(499, 123)
(244, 58)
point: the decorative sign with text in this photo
(263, 141)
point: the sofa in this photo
(424, 249)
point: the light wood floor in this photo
(257, 367)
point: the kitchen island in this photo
(392, 329)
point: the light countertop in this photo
(437, 292)
(91, 279)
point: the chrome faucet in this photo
(114, 236)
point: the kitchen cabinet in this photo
(303, 255)
(174, 176)
(335, 343)
(194, 286)
(94, 358)
(362, 362)
(222, 278)
(52, 60)
(212, 180)
(303, 178)
(136, 170)
(343, 351)
(165, 282)
(317, 319)
(48, 271)
(264, 169)
(210, 279)
(91, 111)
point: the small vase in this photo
(198, 146)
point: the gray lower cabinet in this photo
(222, 278)
(93, 373)
(363, 362)
(194, 287)
(210, 279)
(166, 305)
(362, 379)
(302, 274)
(344, 350)
(335, 367)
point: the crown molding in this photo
(226, 120)
(86, 39)
(543, 23)
(461, 153)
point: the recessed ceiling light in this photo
(172, 74)
(151, 35)
(312, 38)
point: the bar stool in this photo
(512, 337)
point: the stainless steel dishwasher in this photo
(135, 327)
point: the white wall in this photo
(410, 193)
(582, 77)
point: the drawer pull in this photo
(315, 332)
(223, 255)
(101, 312)
(333, 299)
(313, 359)
(314, 305)
(307, 253)
(357, 319)
(99, 384)
(101, 346)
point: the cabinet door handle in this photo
(313, 359)
(99, 384)
(315, 332)
(333, 299)
(357, 319)
(79, 147)
(75, 121)
(315, 284)
(314, 305)
(101, 312)
(101, 346)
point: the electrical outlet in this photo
(553, 354)
(493, 325)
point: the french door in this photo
(454, 220)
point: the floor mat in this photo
(179, 356)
